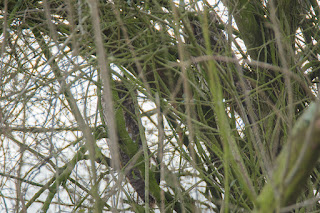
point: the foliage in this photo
(146, 105)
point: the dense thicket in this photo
(143, 105)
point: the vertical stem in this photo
(107, 93)
(160, 151)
